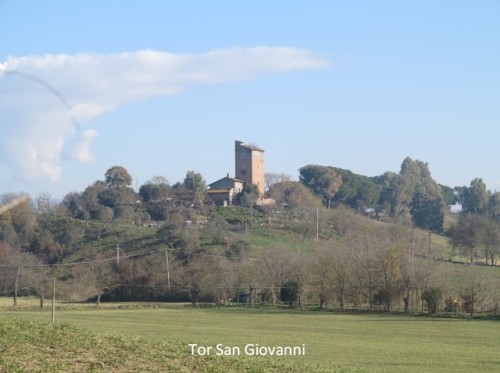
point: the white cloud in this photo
(42, 98)
(81, 149)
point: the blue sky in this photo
(163, 87)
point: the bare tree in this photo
(98, 275)
(365, 247)
(342, 271)
(300, 275)
(250, 278)
(271, 178)
(43, 203)
(472, 289)
(39, 279)
(274, 266)
(322, 274)
(224, 279)
(197, 278)
(15, 270)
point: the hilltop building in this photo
(249, 164)
(249, 169)
(223, 192)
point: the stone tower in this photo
(249, 164)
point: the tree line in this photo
(351, 263)
(410, 196)
(382, 267)
(413, 197)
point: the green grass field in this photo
(376, 342)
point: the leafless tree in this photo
(271, 178)
(472, 288)
(15, 269)
(250, 278)
(342, 272)
(98, 275)
(322, 274)
(197, 278)
(300, 274)
(224, 277)
(365, 247)
(39, 279)
(275, 265)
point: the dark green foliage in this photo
(114, 197)
(117, 177)
(251, 191)
(54, 236)
(289, 293)
(418, 196)
(427, 211)
(450, 196)
(107, 198)
(159, 210)
(475, 198)
(383, 297)
(323, 181)
(494, 207)
(158, 199)
(389, 183)
(432, 298)
(410, 195)
(192, 192)
(196, 186)
(74, 204)
(150, 192)
(357, 191)
(89, 199)
(249, 195)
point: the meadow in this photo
(341, 342)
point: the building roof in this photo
(251, 147)
(233, 179)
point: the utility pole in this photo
(117, 255)
(168, 268)
(16, 284)
(429, 245)
(317, 224)
(53, 299)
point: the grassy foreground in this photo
(157, 339)
(34, 346)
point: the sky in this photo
(165, 87)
